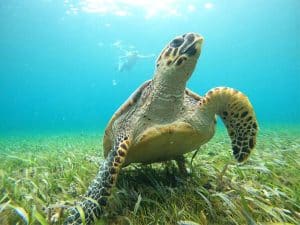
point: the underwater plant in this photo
(36, 173)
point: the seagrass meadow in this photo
(42, 174)
(67, 66)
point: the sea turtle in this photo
(163, 120)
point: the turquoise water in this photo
(61, 80)
(59, 59)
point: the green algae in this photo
(41, 175)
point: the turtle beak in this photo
(198, 42)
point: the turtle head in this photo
(178, 60)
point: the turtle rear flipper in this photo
(95, 199)
(237, 114)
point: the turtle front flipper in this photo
(94, 201)
(237, 114)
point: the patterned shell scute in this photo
(132, 100)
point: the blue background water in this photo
(58, 62)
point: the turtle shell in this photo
(108, 135)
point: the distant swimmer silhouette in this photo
(130, 58)
(127, 61)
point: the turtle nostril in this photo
(176, 42)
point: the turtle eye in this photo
(176, 42)
(180, 60)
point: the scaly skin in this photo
(95, 200)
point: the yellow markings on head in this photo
(170, 55)
(167, 52)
